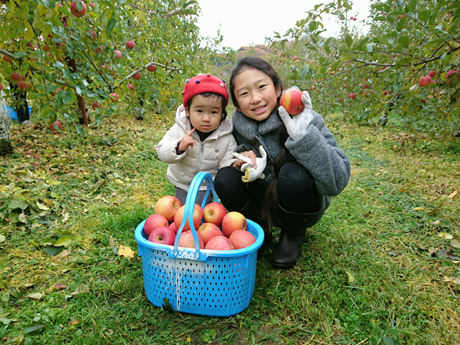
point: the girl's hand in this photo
(187, 141)
(250, 154)
(297, 126)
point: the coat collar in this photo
(248, 128)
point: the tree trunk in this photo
(5, 123)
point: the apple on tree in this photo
(151, 68)
(167, 206)
(56, 124)
(117, 54)
(1, 87)
(113, 97)
(130, 44)
(21, 84)
(74, 8)
(162, 235)
(6, 58)
(137, 76)
(130, 86)
(449, 79)
(424, 81)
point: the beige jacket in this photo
(214, 153)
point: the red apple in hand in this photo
(130, 44)
(167, 206)
(233, 221)
(186, 240)
(424, 81)
(214, 212)
(197, 216)
(75, 11)
(241, 239)
(162, 236)
(208, 231)
(219, 243)
(291, 100)
(153, 222)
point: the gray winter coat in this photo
(317, 151)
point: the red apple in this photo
(15, 76)
(365, 86)
(424, 81)
(117, 54)
(28, 153)
(152, 68)
(291, 100)
(100, 49)
(173, 227)
(451, 72)
(186, 240)
(7, 58)
(219, 243)
(241, 239)
(96, 104)
(28, 85)
(167, 206)
(385, 92)
(162, 235)
(1, 87)
(36, 157)
(137, 76)
(197, 216)
(93, 34)
(352, 96)
(78, 13)
(233, 221)
(294, 57)
(423, 101)
(21, 85)
(130, 86)
(208, 231)
(113, 97)
(56, 123)
(340, 99)
(46, 48)
(432, 74)
(345, 86)
(153, 222)
(214, 212)
(92, 5)
(130, 44)
(313, 87)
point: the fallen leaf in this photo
(66, 217)
(445, 236)
(351, 279)
(419, 208)
(74, 322)
(455, 243)
(99, 184)
(453, 194)
(82, 288)
(42, 207)
(456, 281)
(437, 222)
(126, 252)
(22, 218)
(35, 296)
(61, 255)
(111, 241)
(2, 238)
(60, 286)
(441, 253)
(34, 328)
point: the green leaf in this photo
(404, 41)
(370, 47)
(52, 250)
(390, 341)
(79, 129)
(454, 25)
(18, 203)
(411, 6)
(34, 328)
(110, 25)
(349, 41)
(63, 241)
(424, 15)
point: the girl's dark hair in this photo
(214, 96)
(254, 63)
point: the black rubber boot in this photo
(293, 229)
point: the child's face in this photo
(205, 113)
(256, 94)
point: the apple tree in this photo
(82, 60)
(405, 69)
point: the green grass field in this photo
(382, 267)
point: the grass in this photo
(375, 270)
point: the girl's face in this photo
(205, 113)
(256, 94)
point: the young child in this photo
(201, 139)
(304, 166)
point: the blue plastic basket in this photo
(204, 282)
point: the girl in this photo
(201, 139)
(304, 167)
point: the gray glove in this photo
(296, 126)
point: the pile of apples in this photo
(216, 229)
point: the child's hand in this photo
(187, 141)
(297, 126)
(250, 154)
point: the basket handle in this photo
(188, 214)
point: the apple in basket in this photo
(219, 243)
(214, 212)
(186, 240)
(241, 239)
(233, 221)
(208, 231)
(167, 206)
(163, 235)
(153, 222)
(197, 216)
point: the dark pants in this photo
(296, 189)
(20, 103)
